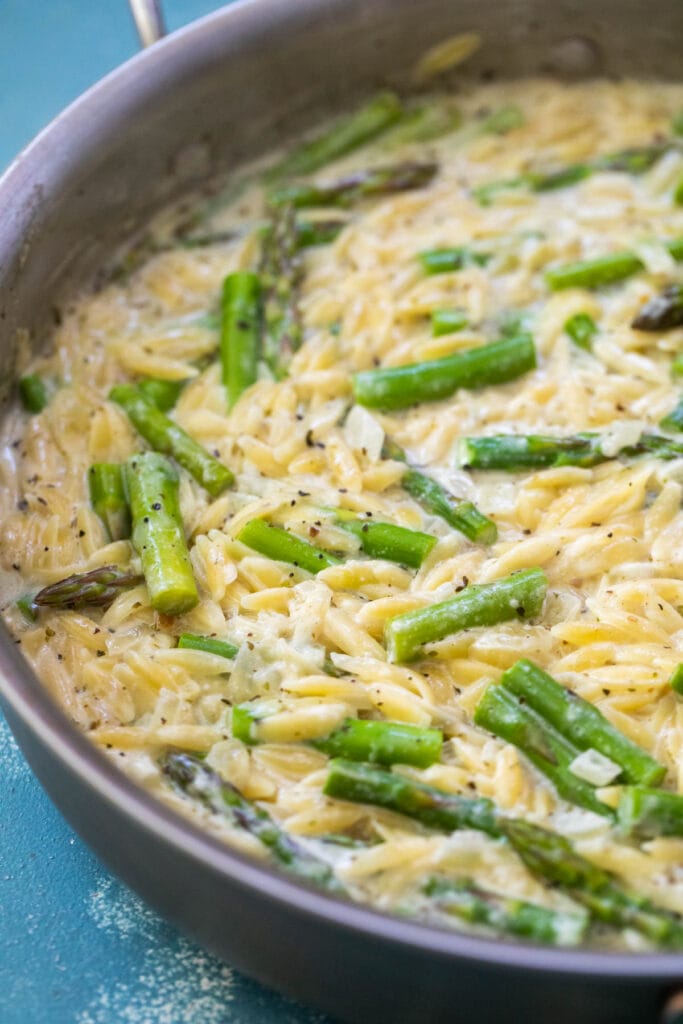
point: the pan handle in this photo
(149, 21)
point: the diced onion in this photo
(594, 767)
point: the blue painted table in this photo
(76, 946)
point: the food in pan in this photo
(347, 518)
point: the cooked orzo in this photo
(347, 518)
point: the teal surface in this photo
(76, 946)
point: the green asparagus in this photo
(435, 499)
(98, 587)
(27, 607)
(443, 261)
(282, 546)
(195, 779)
(662, 312)
(554, 859)
(167, 437)
(162, 393)
(399, 387)
(518, 596)
(446, 321)
(422, 124)
(676, 680)
(385, 540)
(513, 452)
(581, 328)
(673, 420)
(506, 916)
(507, 716)
(580, 722)
(33, 392)
(365, 184)
(366, 784)
(644, 812)
(209, 644)
(383, 743)
(347, 134)
(108, 498)
(281, 272)
(502, 121)
(317, 232)
(158, 533)
(603, 270)
(240, 332)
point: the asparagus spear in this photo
(518, 596)
(442, 261)
(162, 393)
(676, 680)
(383, 743)
(644, 812)
(399, 387)
(240, 332)
(108, 498)
(462, 515)
(603, 270)
(347, 134)
(504, 915)
(635, 160)
(514, 452)
(209, 644)
(423, 123)
(27, 607)
(581, 328)
(506, 716)
(167, 437)
(158, 534)
(33, 392)
(579, 721)
(678, 193)
(98, 587)
(502, 121)
(662, 312)
(364, 184)
(554, 859)
(193, 778)
(282, 546)
(365, 784)
(281, 273)
(317, 232)
(385, 540)
(446, 321)
(673, 420)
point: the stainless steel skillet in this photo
(221, 91)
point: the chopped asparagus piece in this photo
(513, 452)
(518, 596)
(209, 644)
(383, 743)
(318, 232)
(398, 387)
(644, 812)
(108, 498)
(504, 915)
(347, 134)
(581, 328)
(365, 184)
(366, 784)
(282, 546)
(443, 261)
(240, 332)
(662, 312)
(166, 437)
(192, 777)
(673, 421)
(33, 392)
(423, 123)
(27, 607)
(281, 272)
(162, 393)
(158, 533)
(385, 540)
(446, 321)
(603, 270)
(676, 680)
(98, 587)
(554, 859)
